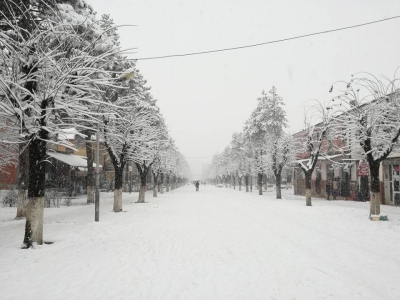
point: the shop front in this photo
(391, 179)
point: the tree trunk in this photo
(90, 194)
(374, 208)
(143, 184)
(167, 184)
(130, 181)
(142, 193)
(36, 189)
(23, 178)
(265, 182)
(90, 175)
(119, 173)
(173, 183)
(240, 183)
(246, 181)
(162, 183)
(117, 200)
(34, 222)
(155, 177)
(259, 182)
(308, 197)
(22, 203)
(308, 188)
(278, 179)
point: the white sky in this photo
(206, 98)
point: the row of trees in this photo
(62, 67)
(360, 122)
(262, 149)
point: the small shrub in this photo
(68, 201)
(11, 198)
(52, 197)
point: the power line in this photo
(266, 43)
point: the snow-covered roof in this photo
(393, 154)
(70, 159)
(67, 134)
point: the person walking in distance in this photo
(328, 190)
(197, 186)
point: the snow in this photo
(127, 74)
(217, 243)
(71, 159)
(68, 134)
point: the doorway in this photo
(395, 184)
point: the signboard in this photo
(363, 169)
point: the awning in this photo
(71, 159)
(393, 154)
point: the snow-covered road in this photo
(218, 243)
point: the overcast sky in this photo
(206, 98)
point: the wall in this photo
(8, 177)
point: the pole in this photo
(97, 192)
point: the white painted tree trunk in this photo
(142, 193)
(374, 205)
(155, 191)
(22, 202)
(90, 194)
(308, 197)
(117, 200)
(34, 219)
(259, 182)
(23, 180)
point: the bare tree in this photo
(122, 132)
(281, 153)
(308, 144)
(368, 116)
(145, 152)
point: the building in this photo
(8, 177)
(345, 174)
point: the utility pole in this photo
(97, 191)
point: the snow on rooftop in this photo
(70, 159)
(393, 155)
(67, 134)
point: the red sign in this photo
(363, 169)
